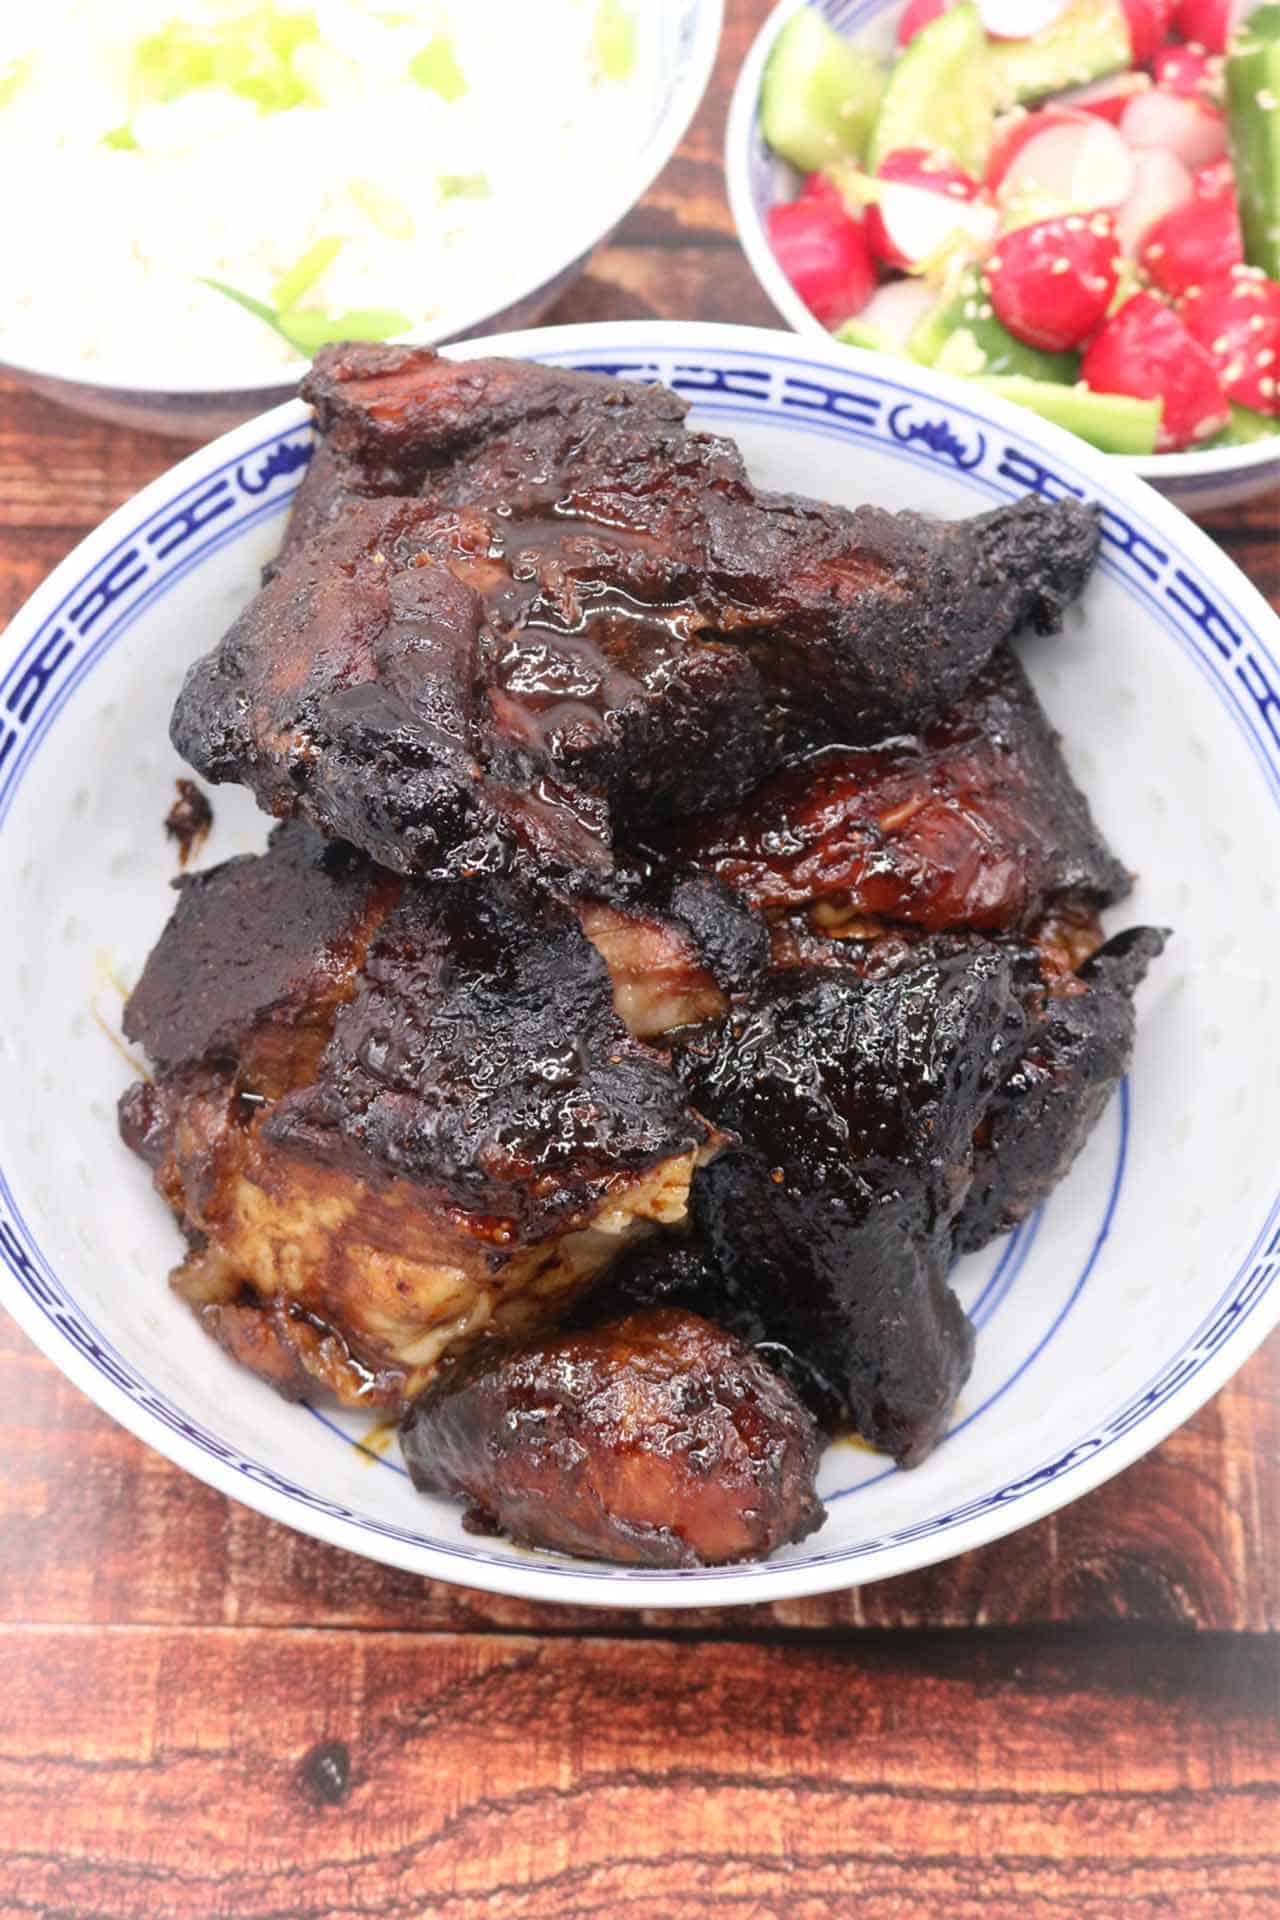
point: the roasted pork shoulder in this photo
(682, 939)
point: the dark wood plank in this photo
(1013, 1777)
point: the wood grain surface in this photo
(204, 1714)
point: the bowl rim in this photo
(769, 1580)
(577, 237)
(1201, 464)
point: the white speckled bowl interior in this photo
(1198, 481)
(679, 43)
(1104, 1321)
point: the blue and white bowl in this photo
(757, 180)
(1107, 1319)
(678, 44)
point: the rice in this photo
(435, 159)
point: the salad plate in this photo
(1239, 464)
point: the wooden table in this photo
(203, 1714)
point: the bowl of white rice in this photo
(204, 192)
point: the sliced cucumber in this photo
(984, 345)
(939, 94)
(1244, 429)
(1253, 99)
(1110, 421)
(962, 355)
(1090, 39)
(819, 96)
(856, 333)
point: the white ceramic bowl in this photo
(1104, 1321)
(1199, 482)
(682, 39)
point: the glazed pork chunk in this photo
(975, 824)
(657, 1440)
(408, 421)
(586, 620)
(392, 1119)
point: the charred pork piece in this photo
(405, 421)
(863, 624)
(1045, 1110)
(588, 617)
(258, 954)
(676, 952)
(856, 1102)
(675, 1268)
(391, 1118)
(439, 690)
(657, 1441)
(976, 824)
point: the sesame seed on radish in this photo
(1146, 351)
(923, 203)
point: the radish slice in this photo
(1107, 98)
(918, 16)
(896, 308)
(1019, 19)
(1188, 71)
(1051, 284)
(1208, 23)
(1148, 22)
(1145, 350)
(1080, 166)
(1236, 319)
(1161, 183)
(1195, 244)
(1014, 130)
(908, 225)
(1218, 177)
(1191, 129)
(824, 252)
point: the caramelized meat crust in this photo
(410, 1116)
(580, 621)
(676, 1268)
(975, 824)
(868, 623)
(256, 958)
(1045, 1109)
(407, 421)
(657, 1440)
(481, 1058)
(855, 1103)
(441, 691)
